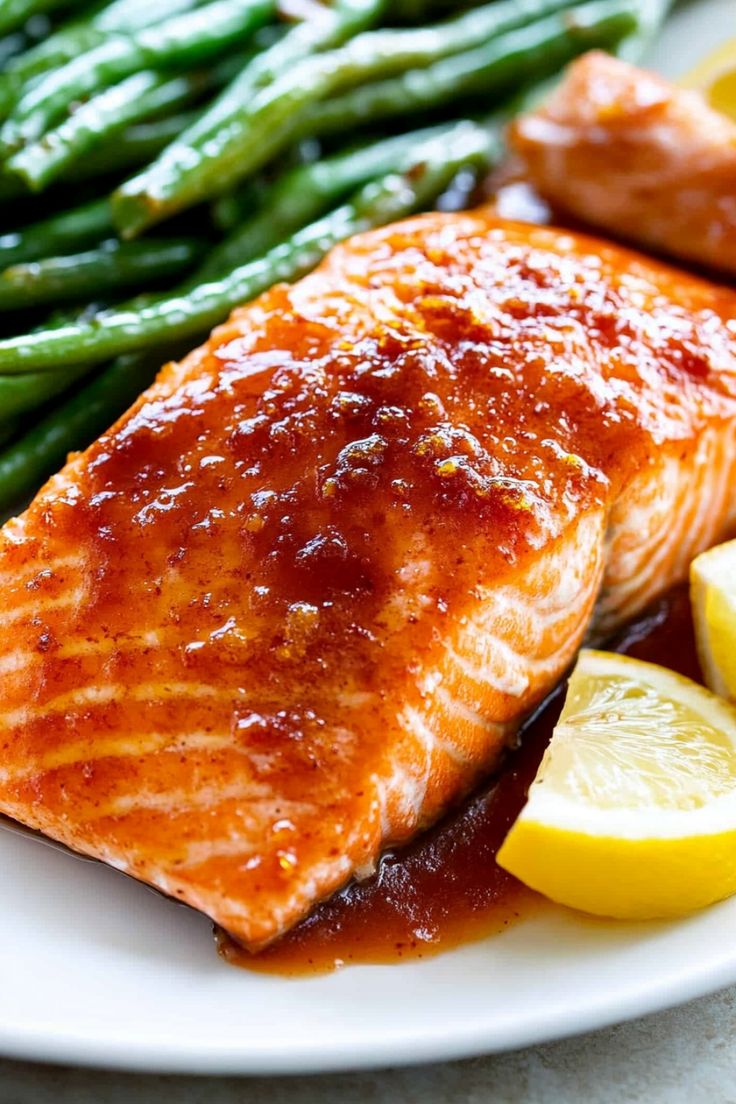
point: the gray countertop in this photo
(683, 1056)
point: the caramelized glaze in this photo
(446, 888)
(295, 604)
(624, 150)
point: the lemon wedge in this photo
(633, 811)
(715, 77)
(713, 597)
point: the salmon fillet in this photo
(622, 149)
(300, 596)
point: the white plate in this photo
(96, 969)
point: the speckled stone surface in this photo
(683, 1056)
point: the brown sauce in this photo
(446, 888)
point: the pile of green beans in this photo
(220, 121)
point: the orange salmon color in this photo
(299, 598)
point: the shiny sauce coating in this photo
(293, 606)
(446, 888)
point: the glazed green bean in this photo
(81, 35)
(129, 16)
(128, 330)
(20, 394)
(305, 192)
(14, 13)
(58, 49)
(527, 55)
(206, 164)
(139, 97)
(183, 40)
(10, 46)
(131, 147)
(118, 151)
(346, 18)
(96, 272)
(94, 139)
(61, 233)
(338, 23)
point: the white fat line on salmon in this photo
(119, 747)
(546, 604)
(701, 519)
(411, 720)
(35, 607)
(16, 661)
(715, 500)
(144, 642)
(182, 801)
(637, 520)
(31, 569)
(407, 786)
(674, 533)
(151, 693)
(403, 792)
(455, 706)
(512, 679)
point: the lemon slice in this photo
(713, 597)
(715, 77)
(633, 811)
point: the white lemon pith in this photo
(633, 810)
(713, 593)
(715, 77)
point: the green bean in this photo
(10, 188)
(337, 24)
(117, 152)
(20, 394)
(92, 140)
(141, 96)
(82, 417)
(14, 13)
(75, 38)
(302, 194)
(208, 164)
(61, 233)
(411, 11)
(528, 54)
(129, 16)
(73, 424)
(230, 210)
(10, 46)
(131, 147)
(8, 430)
(57, 50)
(182, 41)
(97, 272)
(129, 330)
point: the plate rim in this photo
(105, 1050)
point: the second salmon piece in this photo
(299, 598)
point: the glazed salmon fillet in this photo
(297, 601)
(621, 149)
